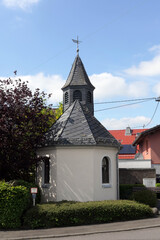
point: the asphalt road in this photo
(143, 234)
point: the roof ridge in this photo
(111, 136)
(74, 68)
(68, 116)
(58, 120)
(87, 120)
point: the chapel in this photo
(81, 162)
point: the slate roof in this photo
(127, 149)
(77, 126)
(78, 75)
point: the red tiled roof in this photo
(120, 135)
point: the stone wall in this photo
(135, 176)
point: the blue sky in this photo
(120, 50)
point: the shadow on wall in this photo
(48, 188)
(75, 184)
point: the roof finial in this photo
(78, 42)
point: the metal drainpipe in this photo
(117, 172)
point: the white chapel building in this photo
(81, 162)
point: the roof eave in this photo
(145, 133)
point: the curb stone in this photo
(76, 231)
(80, 234)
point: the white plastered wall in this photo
(134, 163)
(157, 167)
(76, 174)
(105, 191)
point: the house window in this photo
(46, 170)
(89, 97)
(77, 95)
(105, 171)
(66, 98)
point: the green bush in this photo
(158, 194)
(126, 190)
(76, 213)
(13, 202)
(28, 185)
(145, 196)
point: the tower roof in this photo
(77, 126)
(78, 75)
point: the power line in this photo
(138, 101)
(124, 105)
(145, 125)
(153, 115)
(88, 35)
(126, 100)
(49, 59)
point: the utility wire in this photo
(145, 125)
(127, 100)
(153, 115)
(124, 105)
(90, 34)
(49, 59)
(119, 101)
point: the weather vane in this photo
(78, 42)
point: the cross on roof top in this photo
(78, 42)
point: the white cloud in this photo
(108, 86)
(48, 84)
(137, 89)
(155, 48)
(114, 124)
(147, 68)
(23, 4)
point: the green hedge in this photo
(28, 185)
(76, 213)
(157, 184)
(126, 190)
(145, 196)
(13, 202)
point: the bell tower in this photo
(78, 86)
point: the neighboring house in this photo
(148, 143)
(128, 154)
(133, 168)
(81, 161)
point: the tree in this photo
(24, 118)
(59, 110)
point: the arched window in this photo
(105, 171)
(46, 170)
(66, 98)
(77, 95)
(89, 97)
